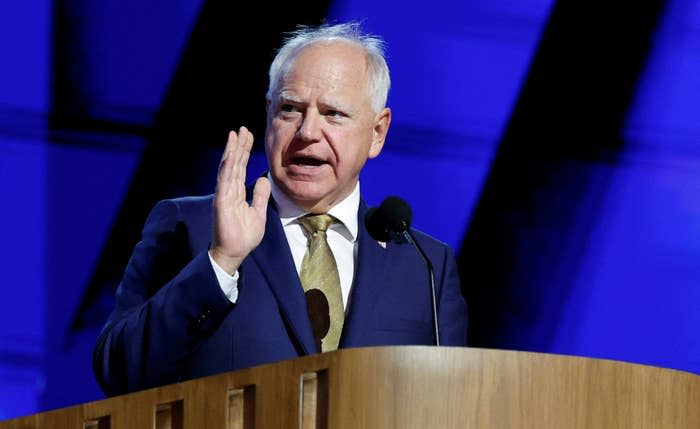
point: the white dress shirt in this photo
(342, 239)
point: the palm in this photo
(238, 227)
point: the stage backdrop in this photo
(552, 143)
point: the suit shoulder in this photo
(167, 213)
(186, 204)
(192, 201)
(429, 242)
(420, 235)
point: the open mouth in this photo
(307, 162)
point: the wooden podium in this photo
(405, 387)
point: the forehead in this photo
(334, 66)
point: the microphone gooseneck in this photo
(394, 215)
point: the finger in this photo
(245, 139)
(235, 153)
(237, 178)
(261, 195)
(231, 144)
(248, 140)
(224, 156)
(243, 167)
(227, 164)
(242, 156)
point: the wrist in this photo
(227, 263)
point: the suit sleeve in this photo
(168, 302)
(452, 308)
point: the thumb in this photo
(261, 195)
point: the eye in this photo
(286, 108)
(335, 113)
(288, 111)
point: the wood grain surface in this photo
(405, 387)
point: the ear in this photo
(381, 126)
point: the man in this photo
(232, 280)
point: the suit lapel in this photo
(370, 275)
(274, 259)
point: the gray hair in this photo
(377, 69)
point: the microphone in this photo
(394, 216)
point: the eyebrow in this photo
(290, 97)
(328, 104)
(337, 105)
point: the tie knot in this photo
(314, 223)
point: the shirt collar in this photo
(345, 211)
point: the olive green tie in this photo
(319, 278)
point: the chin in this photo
(305, 194)
(307, 199)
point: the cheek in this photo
(356, 146)
(270, 144)
(274, 140)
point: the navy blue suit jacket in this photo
(172, 322)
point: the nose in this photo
(310, 127)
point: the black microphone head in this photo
(392, 215)
(376, 224)
(397, 213)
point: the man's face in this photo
(321, 128)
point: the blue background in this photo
(601, 260)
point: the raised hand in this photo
(238, 227)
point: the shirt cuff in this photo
(228, 283)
